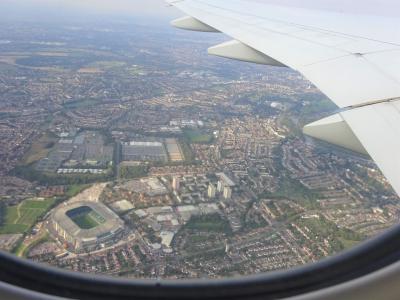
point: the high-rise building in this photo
(226, 181)
(227, 248)
(217, 153)
(227, 192)
(175, 183)
(211, 191)
(220, 186)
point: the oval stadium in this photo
(87, 226)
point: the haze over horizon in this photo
(155, 11)
(43, 10)
(59, 10)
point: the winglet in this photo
(190, 23)
(335, 130)
(239, 51)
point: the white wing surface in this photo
(353, 59)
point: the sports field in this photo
(196, 136)
(85, 217)
(22, 217)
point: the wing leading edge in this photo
(337, 52)
(353, 59)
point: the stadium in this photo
(87, 226)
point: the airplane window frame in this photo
(365, 258)
(370, 256)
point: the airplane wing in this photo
(353, 59)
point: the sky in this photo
(60, 10)
(159, 9)
(147, 7)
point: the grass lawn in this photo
(40, 148)
(197, 239)
(105, 65)
(85, 217)
(130, 172)
(85, 221)
(209, 223)
(13, 228)
(22, 217)
(80, 104)
(196, 136)
(37, 204)
(75, 189)
(23, 249)
(347, 244)
(293, 189)
(11, 214)
(29, 216)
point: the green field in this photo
(13, 228)
(11, 214)
(75, 189)
(81, 103)
(20, 218)
(85, 222)
(37, 204)
(208, 223)
(40, 148)
(85, 217)
(107, 64)
(23, 249)
(130, 172)
(196, 136)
